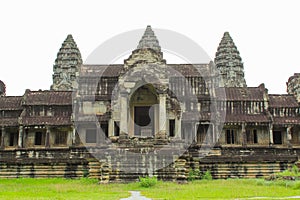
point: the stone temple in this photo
(146, 117)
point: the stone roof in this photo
(46, 120)
(115, 70)
(283, 100)
(11, 103)
(48, 98)
(192, 69)
(9, 121)
(241, 94)
(240, 118)
(286, 120)
(101, 70)
(149, 40)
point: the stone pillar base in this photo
(161, 138)
(161, 135)
(123, 137)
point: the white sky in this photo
(267, 33)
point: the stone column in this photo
(2, 146)
(213, 134)
(244, 136)
(110, 128)
(47, 142)
(178, 128)
(289, 135)
(124, 115)
(73, 136)
(271, 134)
(20, 139)
(162, 116)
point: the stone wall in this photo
(229, 162)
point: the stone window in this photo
(39, 138)
(172, 127)
(61, 138)
(49, 111)
(251, 136)
(91, 136)
(39, 111)
(12, 140)
(230, 136)
(205, 106)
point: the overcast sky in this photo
(267, 34)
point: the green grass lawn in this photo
(89, 189)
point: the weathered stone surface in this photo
(149, 40)
(66, 66)
(229, 63)
(2, 89)
(293, 86)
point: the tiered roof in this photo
(229, 62)
(149, 40)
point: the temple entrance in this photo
(144, 111)
(143, 121)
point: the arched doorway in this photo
(144, 111)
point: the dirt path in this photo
(135, 195)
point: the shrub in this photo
(148, 181)
(194, 174)
(288, 174)
(295, 169)
(207, 175)
(85, 173)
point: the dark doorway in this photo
(201, 132)
(39, 138)
(11, 139)
(277, 137)
(143, 121)
(172, 127)
(116, 128)
(104, 127)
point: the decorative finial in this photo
(149, 40)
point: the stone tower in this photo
(293, 86)
(229, 63)
(149, 40)
(66, 66)
(2, 89)
(147, 51)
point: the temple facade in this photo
(143, 105)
